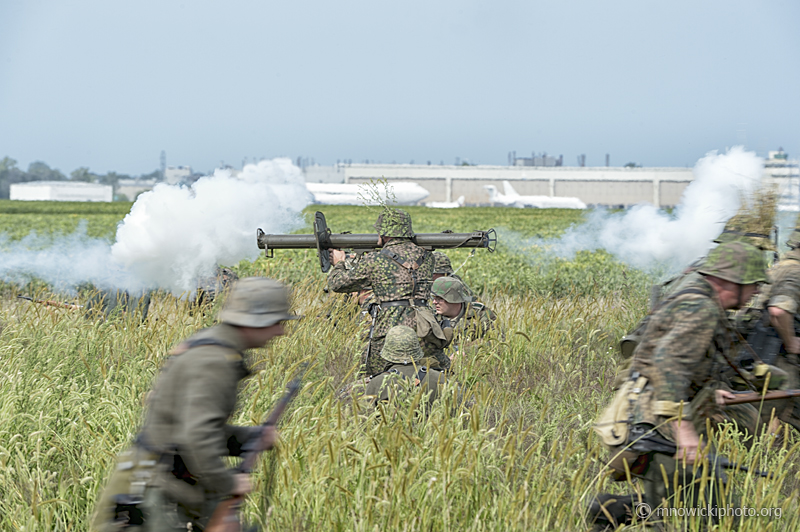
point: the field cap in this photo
(401, 345)
(256, 302)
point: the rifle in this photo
(226, 514)
(645, 441)
(755, 397)
(50, 303)
(323, 240)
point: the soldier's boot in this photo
(607, 511)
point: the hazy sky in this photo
(109, 84)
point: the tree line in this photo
(41, 171)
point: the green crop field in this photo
(519, 455)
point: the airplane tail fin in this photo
(492, 190)
(509, 190)
(460, 201)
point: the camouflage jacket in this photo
(192, 399)
(683, 350)
(472, 323)
(783, 291)
(388, 280)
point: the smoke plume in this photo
(648, 238)
(172, 235)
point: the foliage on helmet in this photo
(754, 222)
(394, 223)
(738, 262)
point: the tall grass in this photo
(518, 454)
(509, 448)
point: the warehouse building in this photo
(608, 186)
(61, 191)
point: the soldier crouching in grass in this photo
(406, 371)
(456, 308)
(173, 476)
(676, 383)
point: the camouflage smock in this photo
(389, 281)
(472, 323)
(681, 353)
(784, 293)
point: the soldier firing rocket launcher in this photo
(323, 240)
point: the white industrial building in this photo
(61, 191)
(612, 186)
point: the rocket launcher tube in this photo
(323, 240)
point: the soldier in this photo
(469, 319)
(781, 301)
(173, 476)
(675, 380)
(407, 369)
(400, 278)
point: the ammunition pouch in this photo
(613, 425)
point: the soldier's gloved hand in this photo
(241, 484)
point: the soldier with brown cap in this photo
(400, 278)
(174, 475)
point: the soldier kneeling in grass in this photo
(409, 373)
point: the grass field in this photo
(520, 456)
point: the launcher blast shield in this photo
(324, 240)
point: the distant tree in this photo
(40, 171)
(9, 174)
(633, 165)
(83, 174)
(112, 178)
(155, 174)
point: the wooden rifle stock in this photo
(755, 397)
(226, 514)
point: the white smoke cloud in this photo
(648, 238)
(63, 262)
(172, 236)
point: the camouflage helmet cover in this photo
(394, 223)
(256, 302)
(451, 290)
(401, 345)
(442, 263)
(738, 262)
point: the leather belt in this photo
(404, 303)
